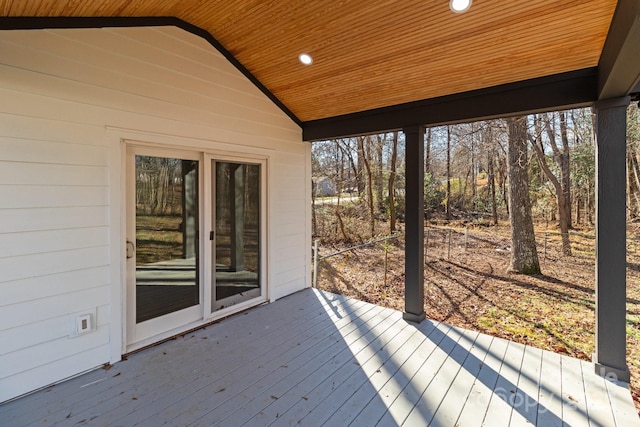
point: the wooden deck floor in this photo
(316, 358)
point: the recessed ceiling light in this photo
(305, 58)
(459, 6)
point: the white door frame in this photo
(141, 334)
(210, 254)
(187, 149)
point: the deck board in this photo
(526, 403)
(400, 409)
(550, 391)
(375, 409)
(460, 390)
(500, 406)
(274, 387)
(316, 358)
(597, 396)
(574, 402)
(477, 401)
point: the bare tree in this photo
(564, 159)
(339, 189)
(364, 147)
(360, 166)
(391, 185)
(427, 156)
(633, 165)
(487, 139)
(448, 199)
(524, 255)
(561, 194)
(583, 165)
(379, 142)
(473, 165)
(561, 158)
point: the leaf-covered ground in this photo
(470, 288)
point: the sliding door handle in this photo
(131, 249)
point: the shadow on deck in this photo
(316, 358)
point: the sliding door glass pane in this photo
(237, 237)
(166, 236)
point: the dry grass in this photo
(471, 289)
(158, 238)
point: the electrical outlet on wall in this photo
(81, 322)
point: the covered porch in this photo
(317, 358)
(313, 357)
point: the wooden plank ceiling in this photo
(376, 53)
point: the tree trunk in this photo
(360, 172)
(635, 173)
(314, 219)
(561, 157)
(367, 167)
(346, 150)
(427, 156)
(562, 160)
(587, 208)
(473, 168)
(448, 199)
(492, 187)
(565, 168)
(392, 179)
(562, 212)
(338, 215)
(524, 256)
(631, 207)
(380, 140)
(502, 180)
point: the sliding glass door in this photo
(162, 248)
(194, 239)
(237, 236)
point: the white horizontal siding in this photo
(87, 56)
(26, 266)
(81, 360)
(64, 93)
(28, 150)
(39, 287)
(32, 127)
(37, 242)
(14, 173)
(41, 309)
(51, 196)
(22, 360)
(34, 334)
(19, 220)
(285, 244)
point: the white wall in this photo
(65, 94)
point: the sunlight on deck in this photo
(316, 358)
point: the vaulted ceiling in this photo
(376, 53)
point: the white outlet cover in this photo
(83, 323)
